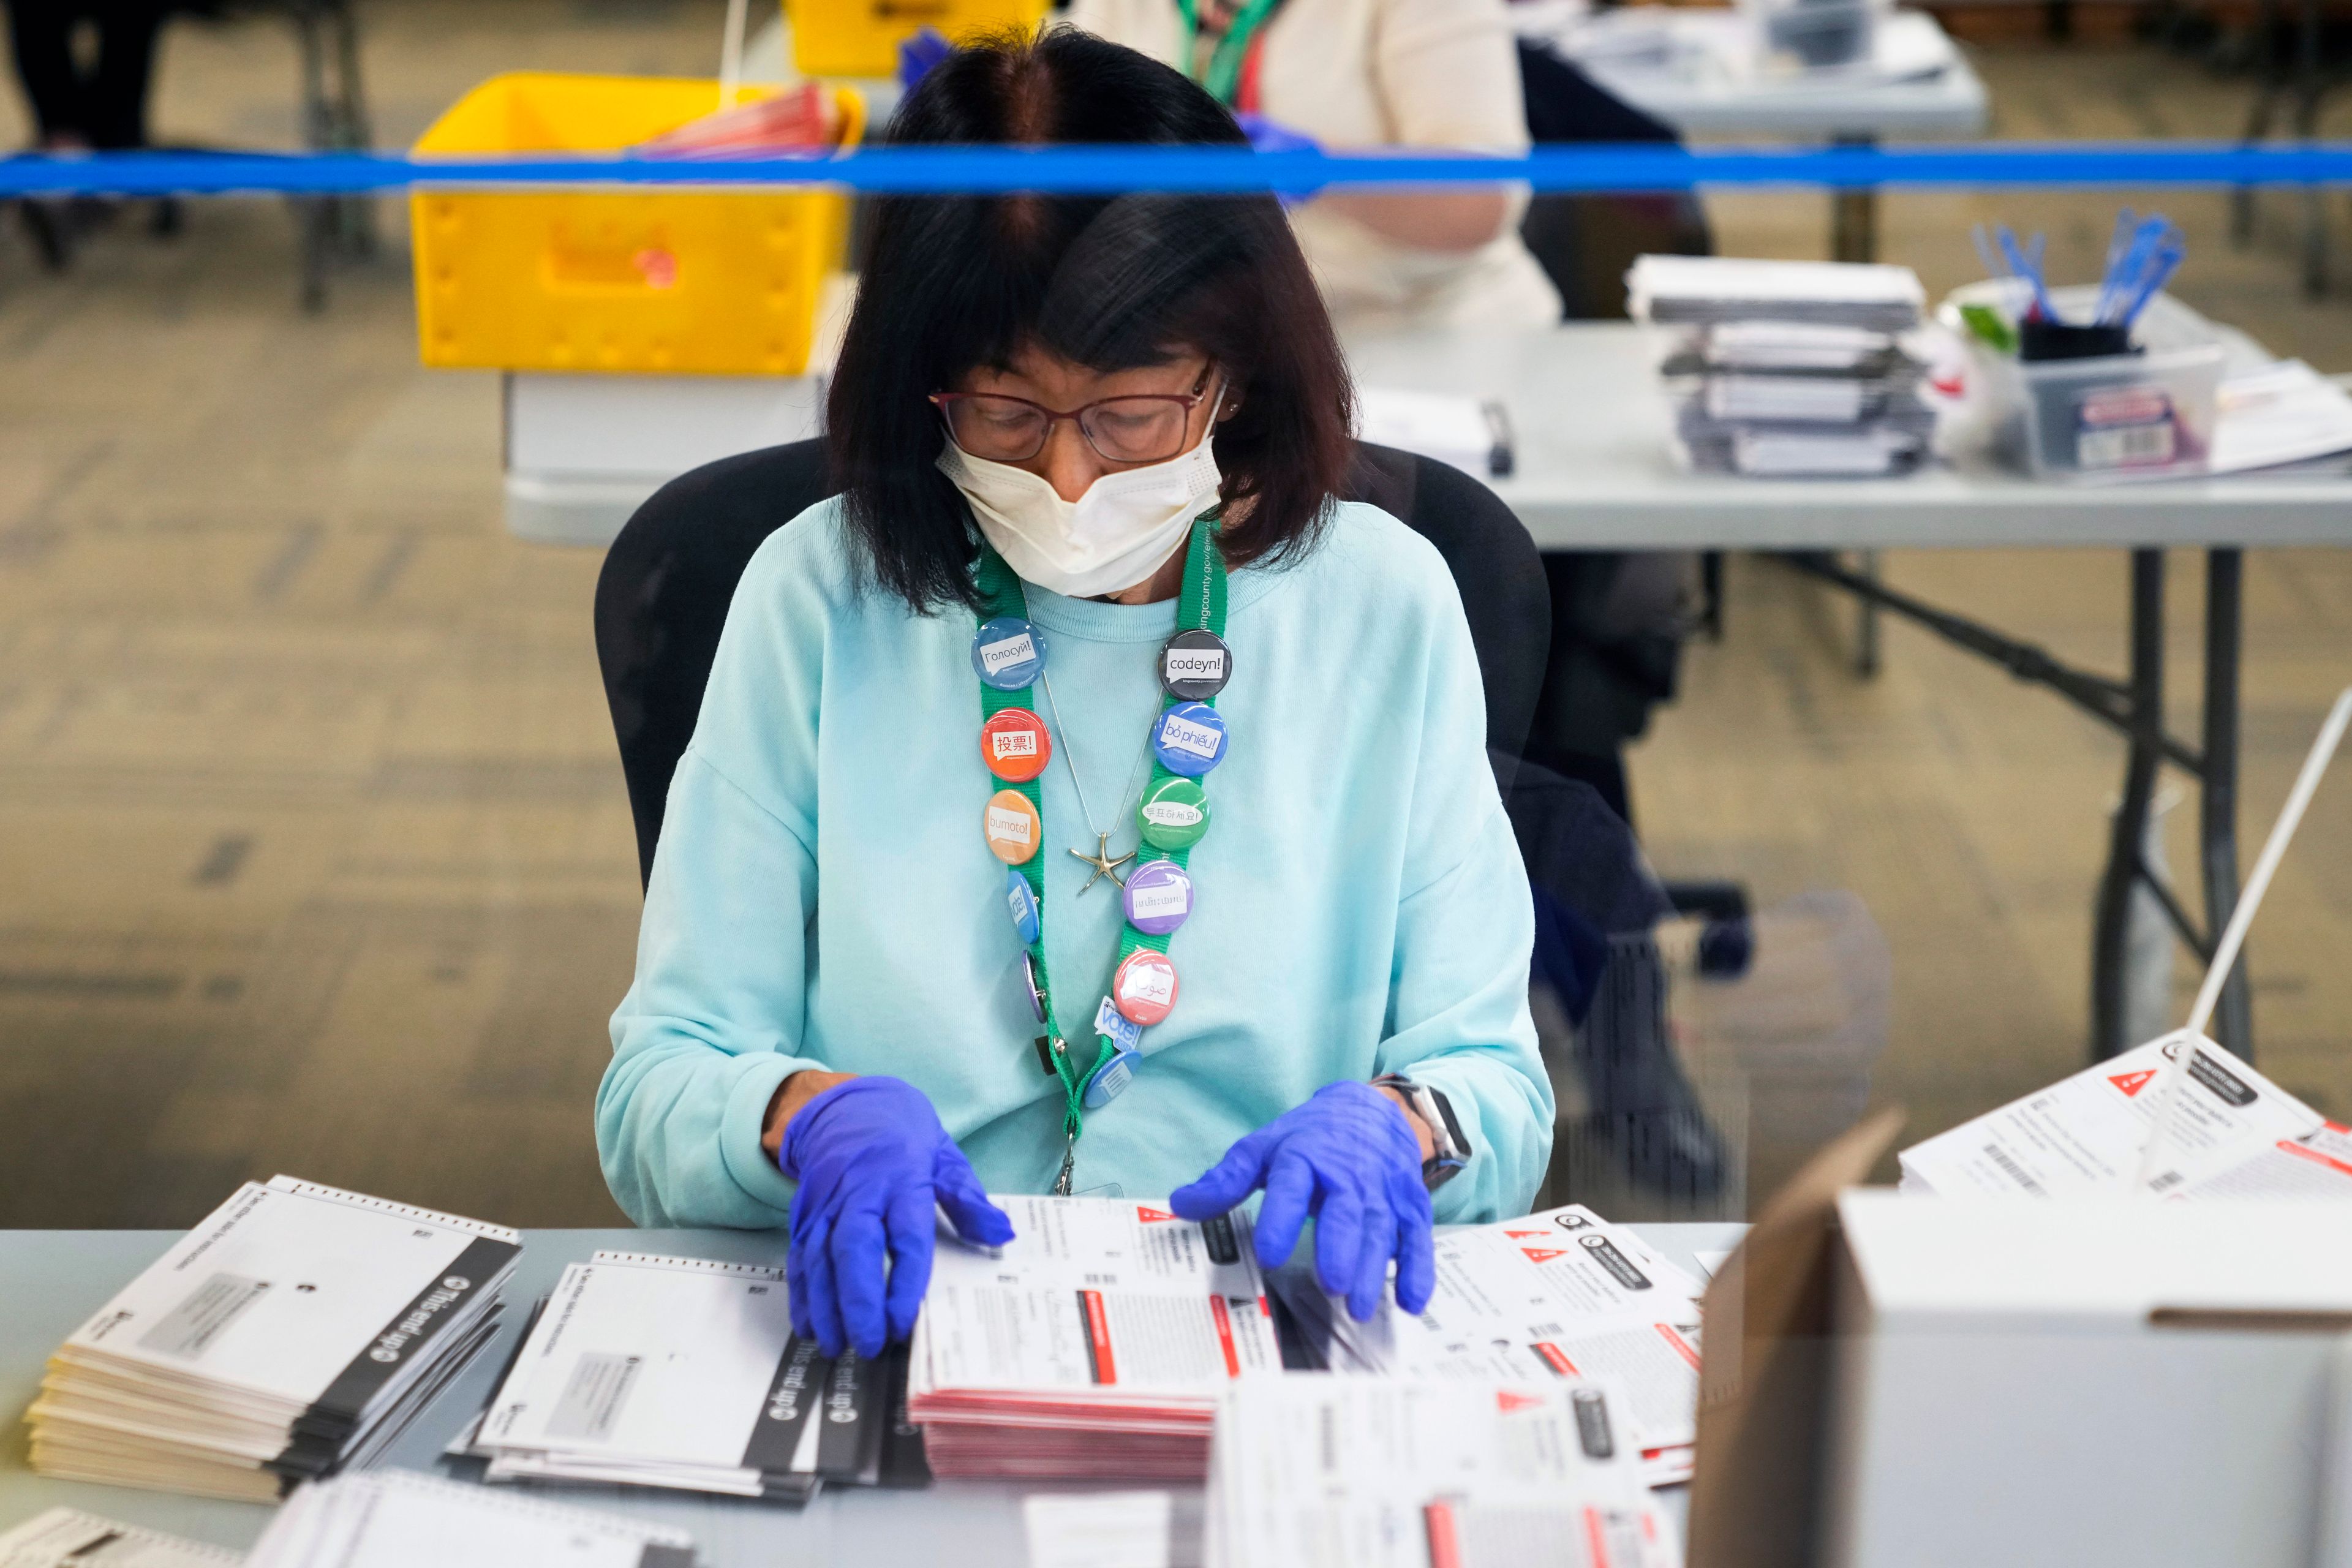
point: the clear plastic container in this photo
(2130, 416)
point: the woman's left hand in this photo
(1350, 1157)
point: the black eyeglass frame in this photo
(1188, 401)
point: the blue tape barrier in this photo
(1105, 170)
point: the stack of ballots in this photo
(1093, 1345)
(296, 1329)
(1788, 368)
(1563, 1294)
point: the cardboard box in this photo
(1920, 1383)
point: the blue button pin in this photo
(1188, 739)
(1122, 1031)
(1024, 905)
(1109, 1079)
(1009, 653)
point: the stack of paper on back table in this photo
(1563, 1294)
(1395, 1473)
(68, 1538)
(1788, 368)
(297, 1329)
(398, 1519)
(683, 1373)
(2234, 1134)
(1092, 1345)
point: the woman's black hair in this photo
(953, 283)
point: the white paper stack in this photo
(682, 1373)
(1473, 435)
(2234, 1134)
(1094, 1344)
(1788, 368)
(68, 1538)
(397, 1519)
(294, 1330)
(1392, 1473)
(1561, 1294)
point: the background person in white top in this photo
(1369, 73)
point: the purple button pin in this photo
(1159, 897)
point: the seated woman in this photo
(1246, 904)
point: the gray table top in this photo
(1952, 102)
(1595, 470)
(51, 1280)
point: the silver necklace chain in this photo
(1070, 761)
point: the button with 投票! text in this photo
(1012, 826)
(1144, 986)
(1008, 652)
(1015, 744)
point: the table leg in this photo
(2111, 924)
(1854, 213)
(2217, 811)
(1865, 624)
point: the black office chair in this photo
(662, 595)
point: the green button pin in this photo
(1175, 814)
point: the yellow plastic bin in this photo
(861, 37)
(673, 280)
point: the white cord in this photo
(2225, 951)
(730, 55)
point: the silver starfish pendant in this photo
(1102, 862)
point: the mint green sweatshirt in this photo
(823, 896)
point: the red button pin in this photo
(1144, 986)
(1015, 746)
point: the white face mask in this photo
(1112, 537)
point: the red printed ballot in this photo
(1094, 1345)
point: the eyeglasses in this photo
(1143, 428)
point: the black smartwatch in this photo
(1450, 1149)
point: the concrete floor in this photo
(313, 850)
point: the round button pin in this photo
(1037, 992)
(1011, 827)
(1022, 903)
(1015, 746)
(1188, 739)
(1175, 814)
(1159, 897)
(1195, 665)
(1108, 1079)
(1144, 986)
(1008, 652)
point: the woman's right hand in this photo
(871, 1159)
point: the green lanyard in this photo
(1224, 77)
(1200, 607)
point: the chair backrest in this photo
(662, 597)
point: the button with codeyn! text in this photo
(1015, 744)
(1195, 665)
(1012, 829)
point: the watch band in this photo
(1450, 1151)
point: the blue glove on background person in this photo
(1351, 1158)
(919, 54)
(872, 1160)
(1273, 136)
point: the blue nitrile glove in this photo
(871, 1159)
(1273, 136)
(1348, 1157)
(919, 54)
